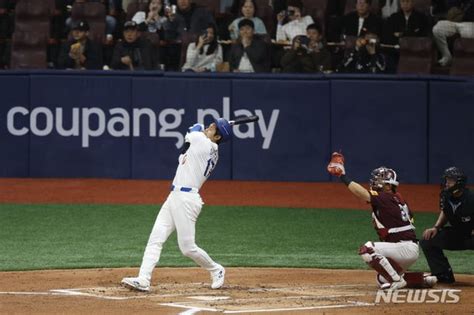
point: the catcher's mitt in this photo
(336, 165)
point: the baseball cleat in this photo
(430, 281)
(136, 284)
(446, 277)
(397, 285)
(218, 278)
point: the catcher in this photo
(393, 221)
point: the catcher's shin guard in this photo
(379, 263)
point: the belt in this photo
(401, 229)
(409, 241)
(183, 189)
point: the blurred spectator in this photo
(361, 21)
(125, 4)
(226, 5)
(6, 18)
(296, 24)
(134, 52)
(80, 52)
(406, 23)
(153, 18)
(307, 53)
(247, 9)
(110, 21)
(278, 5)
(439, 8)
(366, 57)
(205, 54)
(249, 54)
(460, 21)
(188, 18)
(388, 7)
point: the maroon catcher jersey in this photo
(392, 212)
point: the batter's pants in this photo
(179, 212)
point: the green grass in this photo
(83, 236)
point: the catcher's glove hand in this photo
(336, 165)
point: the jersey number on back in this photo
(404, 212)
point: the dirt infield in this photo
(186, 291)
(274, 194)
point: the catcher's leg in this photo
(382, 265)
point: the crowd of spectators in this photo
(361, 36)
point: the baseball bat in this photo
(243, 120)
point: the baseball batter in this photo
(393, 221)
(183, 205)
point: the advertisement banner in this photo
(451, 133)
(291, 139)
(14, 136)
(381, 123)
(80, 126)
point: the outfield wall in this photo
(124, 125)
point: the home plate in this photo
(209, 298)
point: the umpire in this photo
(457, 209)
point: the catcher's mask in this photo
(381, 176)
(224, 129)
(456, 174)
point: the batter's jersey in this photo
(392, 212)
(460, 212)
(197, 162)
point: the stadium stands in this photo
(37, 24)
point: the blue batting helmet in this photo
(225, 129)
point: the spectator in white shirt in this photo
(297, 23)
(205, 54)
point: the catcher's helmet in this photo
(225, 129)
(456, 174)
(382, 175)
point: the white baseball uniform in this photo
(183, 205)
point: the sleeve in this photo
(424, 26)
(116, 58)
(388, 30)
(280, 34)
(194, 137)
(234, 30)
(309, 20)
(348, 64)
(375, 198)
(323, 58)
(64, 61)
(380, 62)
(191, 55)
(219, 55)
(288, 58)
(234, 56)
(139, 17)
(259, 26)
(94, 57)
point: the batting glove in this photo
(196, 127)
